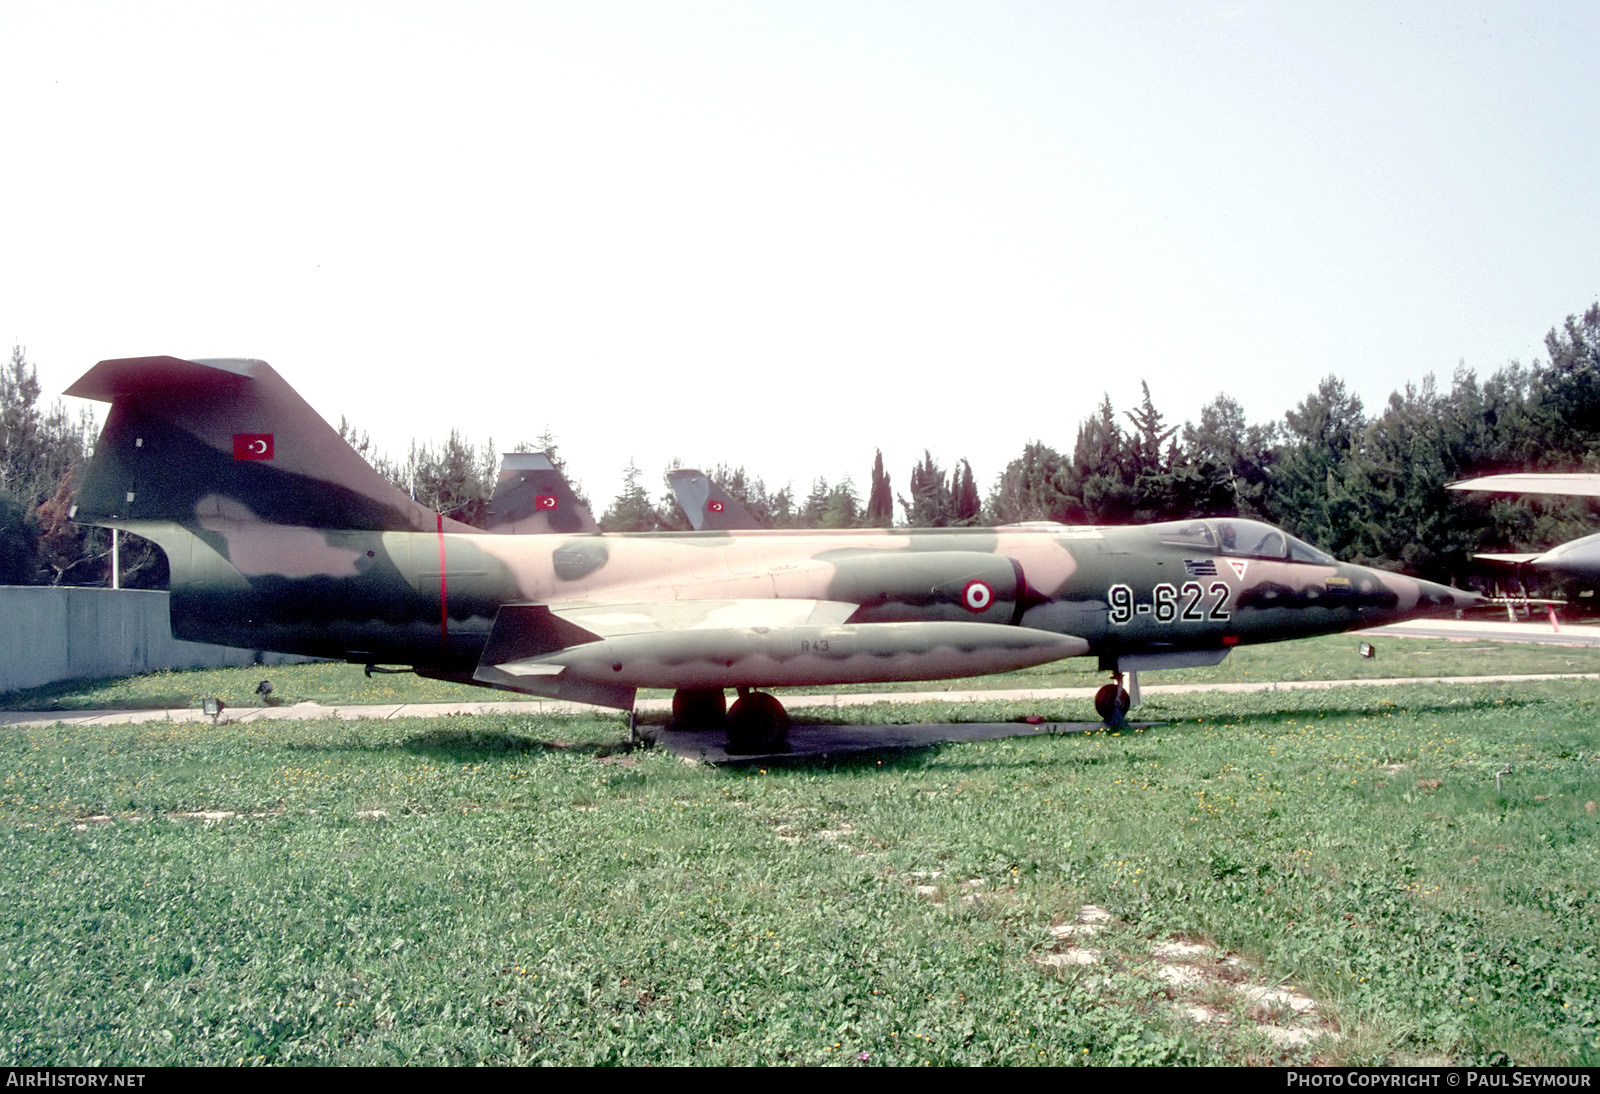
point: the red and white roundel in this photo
(977, 596)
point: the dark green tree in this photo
(41, 453)
(548, 444)
(1228, 461)
(770, 509)
(1100, 482)
(457, 479)
(966, 507)
(1030, 488)
(632, 510)
(842, 507)
(929, 505)
(880, 501)
(1308, 493)
(810, 512)
(1572, 386)
(1145, 450)
(19, 564)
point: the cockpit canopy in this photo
(1241, 538)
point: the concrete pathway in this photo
(388, 711)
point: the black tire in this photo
(757, 722)
(1111, 703)
(699, 708)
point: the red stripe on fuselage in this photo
(444, 609)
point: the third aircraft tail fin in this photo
(532, 496)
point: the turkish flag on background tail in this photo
(252, 446)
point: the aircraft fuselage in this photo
(432, 600)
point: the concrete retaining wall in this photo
(49, 634)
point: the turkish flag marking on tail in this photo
(252, 446)
(545, 501)
(715, 506)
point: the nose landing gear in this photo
(1112, 702)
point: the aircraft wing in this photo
(708, 506)
(532, 497)
(1573, 485)
(1510, 559)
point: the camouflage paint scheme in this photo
(280, 537)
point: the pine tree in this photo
(1030, 488)
(631, 511)
(880, 503)
(929, 503)
(965, 505)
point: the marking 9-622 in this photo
(1168, 603)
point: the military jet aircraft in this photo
(1578, 558)
(278, 536)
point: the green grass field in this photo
(506, 889)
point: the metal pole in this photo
(116, 575)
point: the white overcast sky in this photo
(783, 234)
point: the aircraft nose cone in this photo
(1414, 597)
(1432, 597)
(1580, 558)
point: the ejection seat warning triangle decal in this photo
(1238, 566)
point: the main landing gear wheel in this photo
(1111, 703)
(699, 708)
(757, 722)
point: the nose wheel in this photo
(1112, 702)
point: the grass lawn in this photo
(1327, 876)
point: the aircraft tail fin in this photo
(531, 497)
(196, 441)
(708, 506)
